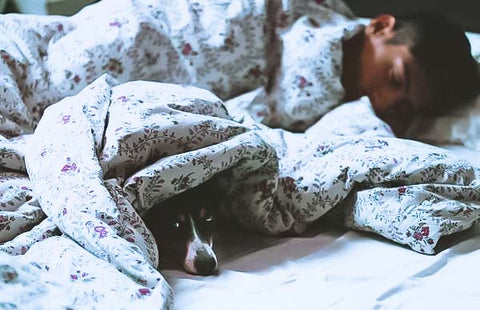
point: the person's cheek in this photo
(382, 98)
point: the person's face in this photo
(386, 70)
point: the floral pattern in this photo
(72, 193)
(303, 83)
(58, 274)
(217, 46)
(409, 192)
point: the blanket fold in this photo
(77, 201)
(73, 193)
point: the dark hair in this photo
(450, 76)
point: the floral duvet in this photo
(77, 177)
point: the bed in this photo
(90, 141)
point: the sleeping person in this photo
(311, 55)
(417, 64)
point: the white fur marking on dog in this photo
(196, 246)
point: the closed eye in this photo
(396, 79)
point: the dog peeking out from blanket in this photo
(183, 226)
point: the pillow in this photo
(461, 127)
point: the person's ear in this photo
(381, 25)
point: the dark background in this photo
(463, 12)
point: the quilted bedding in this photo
(73, 191)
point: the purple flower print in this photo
(187, 49)
(78, 274)
(301, 82)
(115, 24)
(66, 119)
(67, 167)
(425, 231)
(144, 291)
(417, 236)
(101, 231)
(123, 98)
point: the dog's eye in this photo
(209, 218)
(205, 215)
(179, 221)
(176, 225)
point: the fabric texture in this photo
(407, 191)
(78, 175)
(305, 83)
(212, 44)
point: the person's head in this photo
(421, 60)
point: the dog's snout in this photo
(200, 259)
(205, 264)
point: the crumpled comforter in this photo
(99, 159)
(74, 191)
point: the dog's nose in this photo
(205, 265)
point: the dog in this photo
(183, 227)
